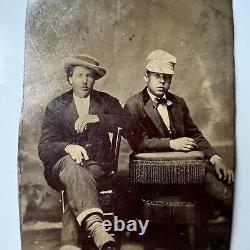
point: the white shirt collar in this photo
(82, 104)
(81, 99)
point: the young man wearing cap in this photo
(73, 145)
(162, 123)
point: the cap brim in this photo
(166, 71)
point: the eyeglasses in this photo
(165, 77)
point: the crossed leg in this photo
(80, 184)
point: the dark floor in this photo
(47, 236)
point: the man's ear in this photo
(70, 80)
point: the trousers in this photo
(218, 190)
(81, 185)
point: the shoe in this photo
(110, 245)
(219, 220)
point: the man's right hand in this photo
(77, 153)
(183, 144)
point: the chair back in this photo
(115, 139)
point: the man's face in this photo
(158, 83)
(82, 81)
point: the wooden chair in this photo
(107, 196)
(164, 181)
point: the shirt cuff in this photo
(214, 158)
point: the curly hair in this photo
(70, 69)
(69, 72)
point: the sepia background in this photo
(121, 34)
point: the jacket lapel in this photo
(176, 113)
(154, 116)
(70, 114)
(95, 106)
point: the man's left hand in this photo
(223, 171)
(82, 122)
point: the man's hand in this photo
(183, 144)
(82, 122)
(77, 153)
(223, 171)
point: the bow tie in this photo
(163, 101)
(158, 101)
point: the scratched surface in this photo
(120, 33)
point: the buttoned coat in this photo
(149, 133)
(58, 129)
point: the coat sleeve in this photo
(138, 137)
(52, 141)
(114, 116)
(191, 130)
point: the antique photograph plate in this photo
(121, 35)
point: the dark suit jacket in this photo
(149, 133)
(58, 128)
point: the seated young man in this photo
(162, 122)
(74, 144)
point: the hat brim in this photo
(71, 61)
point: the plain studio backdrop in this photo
(121, 34)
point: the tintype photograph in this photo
(127, 132)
